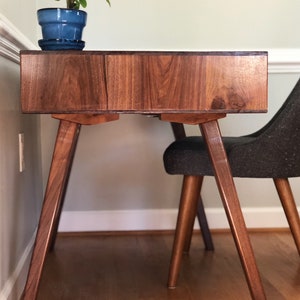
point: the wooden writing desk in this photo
(92, 87)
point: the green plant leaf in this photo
(83, 3)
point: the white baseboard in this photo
(163, 219)
(14, 285)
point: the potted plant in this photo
(62, 27)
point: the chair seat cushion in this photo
(189, 156)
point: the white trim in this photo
(163, 219)
(14, 285)
(12, 40)
(284, 61)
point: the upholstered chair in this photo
(272, 152)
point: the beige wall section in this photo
(22, 14)
(20, 193)
(191, 25)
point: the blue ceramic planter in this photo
(61, 28)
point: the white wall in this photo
(20, 193)
(22, 14)
(193, 24)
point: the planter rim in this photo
(64, 9)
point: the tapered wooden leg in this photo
(212, 136)
(179, 133)
(61, 161)
(189, 235)
(62, 196)
(203, 224)
(83, 119)
(201, 216)
(288, 202)
(190, 229)
(186, 216)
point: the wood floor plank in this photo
(133, 267)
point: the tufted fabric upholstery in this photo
(272, 152)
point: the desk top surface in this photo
(143, 82)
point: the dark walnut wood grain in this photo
(149, 82)
(62, 82)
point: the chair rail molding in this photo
(284, 61)
(12, 41)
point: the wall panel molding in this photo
(12, 40)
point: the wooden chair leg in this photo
(201, 216)
(185, 220)
(62, 157)
(203, 224)
(179, 133)
(190, 229)
(211, 133)
(288, 202)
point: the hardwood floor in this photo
(135, 266)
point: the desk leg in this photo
(211, 134)
(66, 140)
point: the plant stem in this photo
(71, 4)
